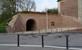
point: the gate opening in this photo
(30, 25)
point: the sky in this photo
(41, 5)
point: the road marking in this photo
(39, 46)
(8, 44)
(63, 47)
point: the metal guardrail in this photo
(66, 34)
(42, 37)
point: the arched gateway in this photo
(30, 25)
(41, 20)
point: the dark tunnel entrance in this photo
(30, 25)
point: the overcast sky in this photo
(41, 5)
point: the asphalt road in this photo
(28, 48)
(75, 40)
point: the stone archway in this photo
(30, 25)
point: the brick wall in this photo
(54, 21)
(41, 20)
(69, 8)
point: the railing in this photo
(43, 35)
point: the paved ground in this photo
(28, 48)
(75, 41)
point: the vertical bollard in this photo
(67, 42)
(18, 38)
(42, 37)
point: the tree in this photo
(54, 10)
(0, 6)
(25, 5)
(8, 10)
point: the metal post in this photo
(18, 38)
(67, 42)
(42, 37)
